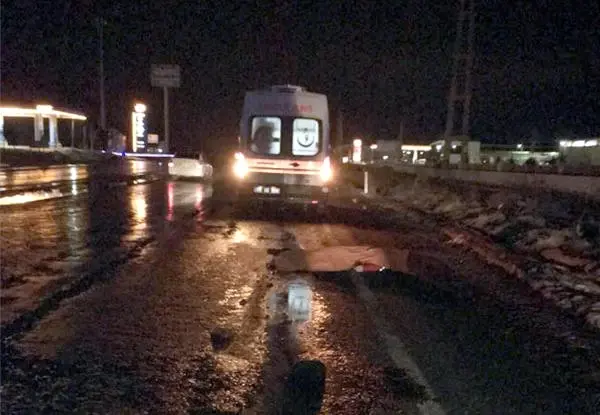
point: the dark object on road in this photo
(220, 338)
(276, 251)
(402, 385)
(304, 388)
(210, 412)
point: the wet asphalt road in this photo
(158, 298)
(22, 177)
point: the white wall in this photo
(584, 185)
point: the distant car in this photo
(192, 167)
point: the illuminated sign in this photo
(139, 128)
(356, 150)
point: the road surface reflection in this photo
(22, 177)
(94, 228)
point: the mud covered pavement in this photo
(159, 298)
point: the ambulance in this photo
(284, 146)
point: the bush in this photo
(531, 162)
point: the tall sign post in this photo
(165, 77)
(139, 128)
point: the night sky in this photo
(536, 70)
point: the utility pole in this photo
(101, 23)
(460, 85)
(166, 114)
(339, 129)
(72, 133)
(2, 138)
(401, 132)
(400, 141)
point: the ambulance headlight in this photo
(326, 170)
(240, 166)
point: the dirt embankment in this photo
(551, 240)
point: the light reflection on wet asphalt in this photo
(178, 312)
(48, 240)
(24, 176)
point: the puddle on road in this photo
(240, 236)
(299, 301)
(319, 358)
(291, 381)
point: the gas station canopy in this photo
(38, 114)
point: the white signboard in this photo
(305, 137)
(152, 138)
(168, 76)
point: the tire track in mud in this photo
(50, 303)
(337, 345)
(101, 270)
(31, 378)
(290, 385)
(16, 367)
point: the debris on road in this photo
(304, 388)
(221, 338)
(342, 258)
